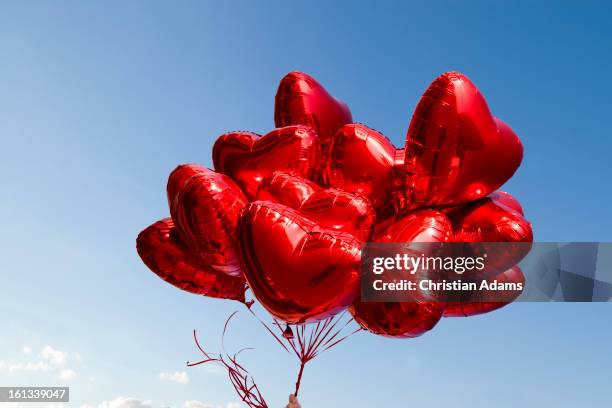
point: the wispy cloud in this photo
(14, 367)
(200, 404)
(53, 356)
(128, 402)
(49, 359)
(67, 375)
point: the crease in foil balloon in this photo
(249, 158)
(330, 208)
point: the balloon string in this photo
(242, 381)
(308, 340)
(268, 329)
(299, 378)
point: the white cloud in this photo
(48, 360)
(67, 374)
(128, 402)
(196, 404)
(177, 377)
(54, 356)
(200, 404)
(123, 402)
(29, 366)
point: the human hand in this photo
(293, 402)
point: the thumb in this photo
(292, 399)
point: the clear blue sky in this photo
(99, 101)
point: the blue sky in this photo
(100, 101)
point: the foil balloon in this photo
(205, 211)
(494, 220)
(412, 318)
(162, 251)
(484, 301)
(362, 160)
(419, 226)
(482, 222)
(506, 200)
(397, 319)
(301, 100)
(299, 271)
(248, 158)
(331, 208)
(456, 150)
(179, 177)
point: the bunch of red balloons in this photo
(286, 214)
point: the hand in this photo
(293, 402)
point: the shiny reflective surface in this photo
(299, 245)
(301, 100)
(397, 319)
(491, 220)
(361, 160)
(506, 200)
(205, 212)
(406, 319)
(456, 151)
(331, 208)
(299, 271)
(162, 251)
(419, 226)
(476, 303)
(179, 177)
(249, 158)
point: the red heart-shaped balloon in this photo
(179, 177)
(205, 211)
(456, 150)
(362, 160)
(503, 199)
(301, 100)
(406, 319)
(299, 271)
(425, 225)
(162, 251)
(493, 220)
(331, 208)
(484, 301)
(249, 158)
(397, 319)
